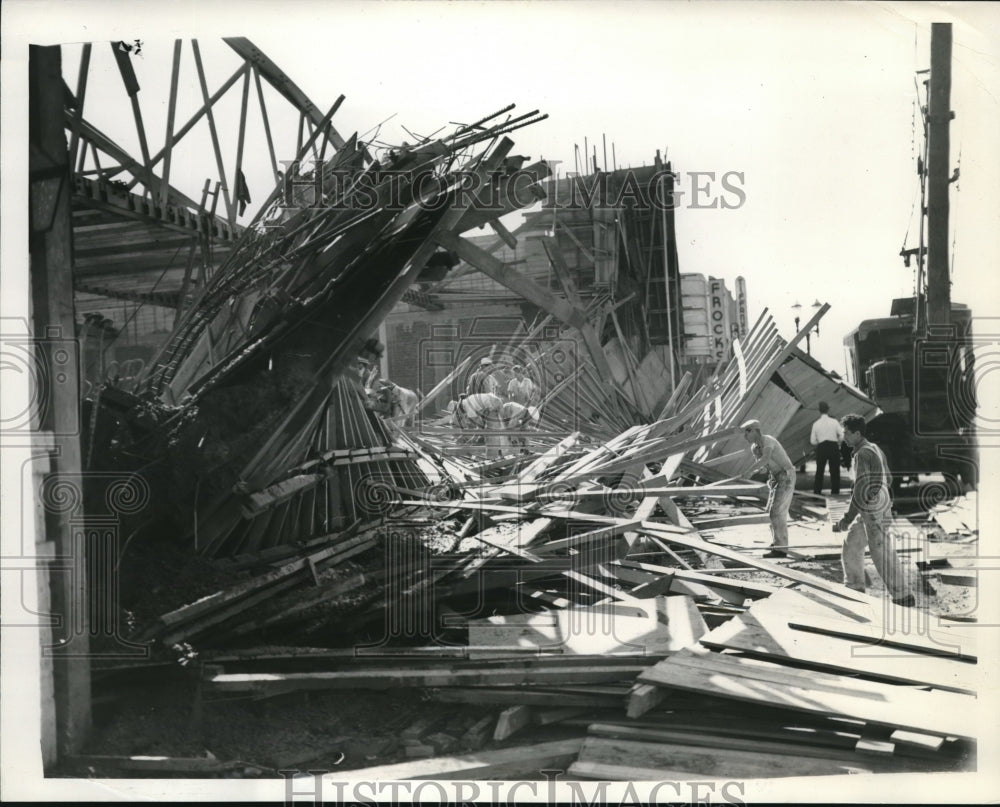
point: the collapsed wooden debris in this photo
(610, 632)
(574, 577)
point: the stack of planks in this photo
(832, 685)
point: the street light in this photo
(797, 308)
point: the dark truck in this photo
(924, 384)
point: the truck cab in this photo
(924, 386)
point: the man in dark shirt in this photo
(871, 500)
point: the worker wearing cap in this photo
(483, 380)
(770, 456)
(871, 499)
(521, 389)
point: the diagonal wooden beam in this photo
(241, 139)
(531, 291)
(764, 377)
(126, 161)
(193, 120)
(81, 94)
(215, 135)
(288, 89)
(267, 125)
(171, 109)
(515, 281)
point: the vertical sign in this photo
(718, 318)
(741, 305)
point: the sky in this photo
(813, 104)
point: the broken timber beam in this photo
(531, 291)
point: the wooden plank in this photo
(507, 763)
(511, 278)
(503, 233)
(658, 491)
(666, 625)
(664, 448)
(531, 696)
(758, 563)
(644, 697)
(944, 713)
(916, 740)
(764, 632)
(219, 598)
(587, 539)
(512, 720)
(624, 760)
(729, 521)
(548, 511)
(745, 587)
(683, 620)
(720, 741)
(162, 764)
(368, 678)
(877, 635)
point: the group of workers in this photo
(869, 515)
(491, 405)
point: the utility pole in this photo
(939, 117)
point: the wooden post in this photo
(53, 325)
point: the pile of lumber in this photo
(250, 423)
(574, 598)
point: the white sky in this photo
(812, 102)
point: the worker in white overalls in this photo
(871, 499)
(770, 456)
